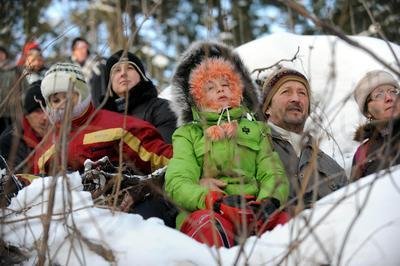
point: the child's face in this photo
(217, 94)
(58, 100)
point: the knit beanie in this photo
(60, 77)
(211, 68)
(368, 83)
(33, 98)
(127, 58)
(276, 80)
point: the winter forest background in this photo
(357, 225)
(158, 31)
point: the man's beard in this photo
(295, 120)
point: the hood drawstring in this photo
(222, 130)
(225, 109)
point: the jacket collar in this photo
(80, 120)
(212, 118)
(307, 138)
(30, 137)
(140, 93)
(377, 129)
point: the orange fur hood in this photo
(183, 100)
(209, 69)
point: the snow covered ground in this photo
(357, 225)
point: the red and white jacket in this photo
(100, 135)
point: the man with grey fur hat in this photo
(286, 107)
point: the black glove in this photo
(264, 208)
(236, 209)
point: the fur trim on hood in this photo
(375, 129)
(209, 69)
(182, 100)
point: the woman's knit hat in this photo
(211, 68)
(275, 81)
(60, 77)
(368, 83)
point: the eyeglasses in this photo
(379, 95)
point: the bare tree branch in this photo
(337, 32)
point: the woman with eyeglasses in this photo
(377, 95)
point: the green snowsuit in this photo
(246, 162)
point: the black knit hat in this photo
(128, 57)
(33, 98)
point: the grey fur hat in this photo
(368, 83)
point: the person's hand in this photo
(213, 184)
(126, 203)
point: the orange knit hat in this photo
(212, 68)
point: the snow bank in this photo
(315, 237)
(358, 225)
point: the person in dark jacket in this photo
(286, 107)
(134, 93)
(377, 95)
(18, 141)
(93, 67)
